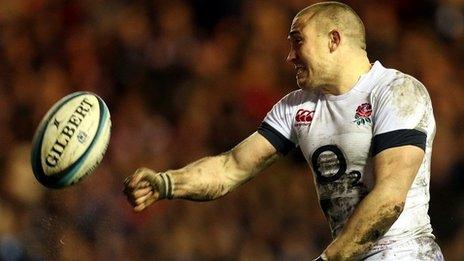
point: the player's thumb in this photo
(141, 174)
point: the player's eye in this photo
(297, 41)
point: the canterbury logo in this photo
(304, 117)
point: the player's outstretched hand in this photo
(143, 188)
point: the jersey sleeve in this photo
(277, 126)
(400, 110)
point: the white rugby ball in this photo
(71, 140)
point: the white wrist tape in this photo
(167, 185)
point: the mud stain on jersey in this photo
(425, 120)
(340, 206)
(337, 211)
(429, 249)
(421, 180)
(407, 95)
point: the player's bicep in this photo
(396, 168)
(253, 154)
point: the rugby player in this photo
(365, 130)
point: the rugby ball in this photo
(71, 140)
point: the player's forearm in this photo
(211, 177)
(202, 180)
(371, 220)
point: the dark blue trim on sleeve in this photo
(282, 144)
(398, 138)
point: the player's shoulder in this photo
(396, 83)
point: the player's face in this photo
(307, 54)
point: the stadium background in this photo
(184, 79)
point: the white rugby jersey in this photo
(339, 136)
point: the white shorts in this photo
(421, 248)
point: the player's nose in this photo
(291, 57)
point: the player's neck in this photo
(348, 76)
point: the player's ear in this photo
(334, 40)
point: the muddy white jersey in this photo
(340, 135)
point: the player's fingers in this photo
(141, 174)
(143, 198)
(138, 208)
(143, 184)
(144, 204)
(141, 206)
(133, 194)
(141, 192)
(134, 180)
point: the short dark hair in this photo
(329, 15)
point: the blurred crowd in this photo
(184, 79)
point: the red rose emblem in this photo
(364, 110)
(362, 114)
